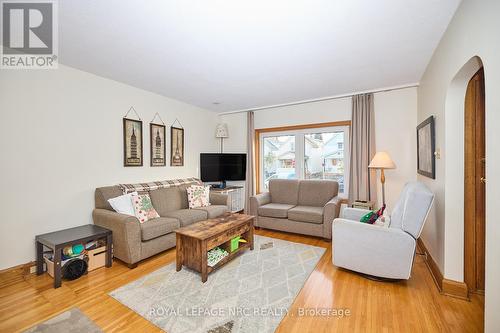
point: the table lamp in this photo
(382, 161)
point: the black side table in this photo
(59, 239)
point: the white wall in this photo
(237, 126)
(395, 117)
(395, 132)
(61, 137)
(318, 112)
(474, 31)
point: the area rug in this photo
(252, 293)
(71, 321)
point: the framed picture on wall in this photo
(132, 142)
(426, 146)
(176, 146)
(157, 144)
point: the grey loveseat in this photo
(134, 241)
(300, 206)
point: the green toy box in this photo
(235, 242)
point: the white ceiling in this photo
(246, 54)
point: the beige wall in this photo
(474, 31)
(395, 132)
(395, 116)
(318, 112)
(61, 136)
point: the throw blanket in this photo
(142, 188)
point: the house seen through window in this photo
(316, 153)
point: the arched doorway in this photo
(474, 184)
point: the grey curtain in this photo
(362, 181)
(249, 183)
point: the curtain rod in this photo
(328, 98)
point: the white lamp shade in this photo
(382, 160)
(221, 131)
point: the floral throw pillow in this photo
(198, 196)
(143, 207)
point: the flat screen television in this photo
(220, 167)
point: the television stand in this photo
(236, 196)
(222, 185)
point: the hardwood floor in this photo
(411, 306)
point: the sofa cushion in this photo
(275, 210)
(143, 208)
(214, 210)
(317, 192)
(198, 196)
(306, 214)
(284, 191)
(158, 227)
(412, 208)
(169, 199)
(103, 194)
(123, 204)
(188, 216)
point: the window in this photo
(312, 153)
(278, 158)
(323, 158)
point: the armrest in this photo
(354, 214)
(258, 200)
(373, 250)
(330, 212)
(126, 233)
(219, 199)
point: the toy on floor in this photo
(72, 251)
(215, 255)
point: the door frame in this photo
(473, 252)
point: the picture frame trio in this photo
(133, 144)
(133, 147)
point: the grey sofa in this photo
(134, 241)
(300, 206)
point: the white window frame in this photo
(300, 151)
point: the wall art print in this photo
(426, 146)
(132, 143)
(176, 146)
(157, 143)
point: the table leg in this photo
(39, 258)
(178, 252)
(250, 236)
(57, 267)
(109, 250)
(204, 262)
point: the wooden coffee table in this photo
(195, 240)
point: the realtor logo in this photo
(29, 34)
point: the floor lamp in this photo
(382, 161)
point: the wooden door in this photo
(475, 184)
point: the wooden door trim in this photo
(283, 129)
(445, 286)
(472, 250)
